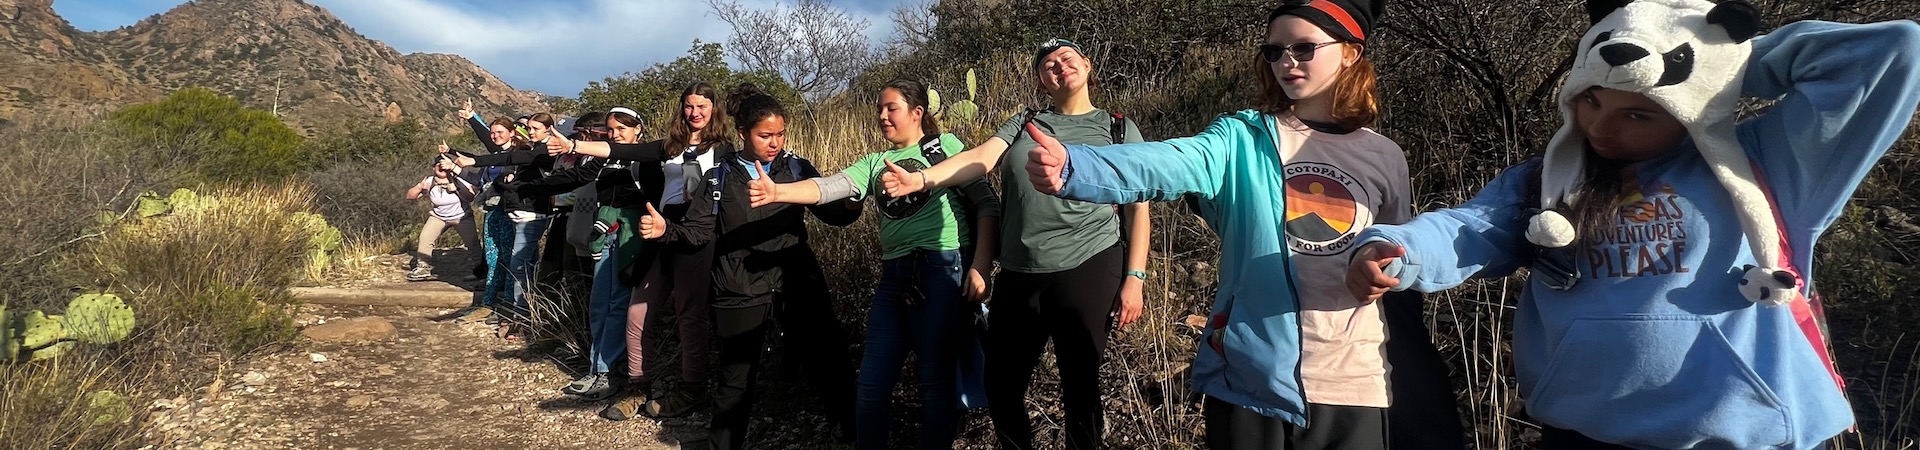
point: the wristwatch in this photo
(1141, 274)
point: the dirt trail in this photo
(434, 385)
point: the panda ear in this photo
(1598, 10)
(1739, 18)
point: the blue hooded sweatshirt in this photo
(1653, 347)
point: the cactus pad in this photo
(99, 318)
(107, 407)
(49, 352)
(152, 205)
(37, 330)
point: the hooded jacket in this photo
(1654, 346)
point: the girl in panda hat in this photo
(1288, 358)
(1670, 245)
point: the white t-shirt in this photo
(675, 191)
(446, 203)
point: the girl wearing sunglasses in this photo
(1288, 361)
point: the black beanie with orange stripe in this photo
(1348, 20)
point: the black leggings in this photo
(1332, 427)
(1559, 439)
(1072, 307)
(1424, 415)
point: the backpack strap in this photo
(1119, 130)
(931, 149)
(717, 183)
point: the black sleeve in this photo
(832, 213)
(563, 181)
(481, 132)
(648, 153)
(519, 158)
(697, 228)
(981, 198)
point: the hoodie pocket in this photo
(1657, 381)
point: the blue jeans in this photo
(931, 281)
(521, 263)
(607, 310)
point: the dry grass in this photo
(207, 282)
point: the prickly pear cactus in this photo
(41, 336)
(99, 318)
(152, 205)
(185, 201)
(37, 329)
(326, 242)
(9, 336)
(49, 352)
(107, 407)
(933, 102)
(964, 110)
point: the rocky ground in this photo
(384, 377)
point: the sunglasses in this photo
(1302, 52)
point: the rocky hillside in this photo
(288, 53)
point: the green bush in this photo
(223, 140)
(655, 92)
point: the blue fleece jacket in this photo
(1653, 348)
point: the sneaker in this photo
(581, 384)
(603, 387)
(684, 400)
(474, 314)
(421, 273)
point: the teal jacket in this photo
(1250, 354)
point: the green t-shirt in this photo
(940, 225)
(1042, 233)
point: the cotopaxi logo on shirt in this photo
(1326, 208)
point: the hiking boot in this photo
(630, 404)
(602, 388)
(421, 273)
(581, 384)
(685, 399)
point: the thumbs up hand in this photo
(653, 225)
(762, 190)
(899, 182)
(1045, 162)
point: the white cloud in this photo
(536, 47)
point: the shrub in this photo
(221, 139)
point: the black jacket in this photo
(529, 165)
(619, 182)
(752, 246)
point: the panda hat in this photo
(1688, 56)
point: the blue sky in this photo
(528, 46)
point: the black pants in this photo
(1425, 415)
(742, 334)
(1071, 307)
(1330, 427)
(814, 337)
(1558, 439)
